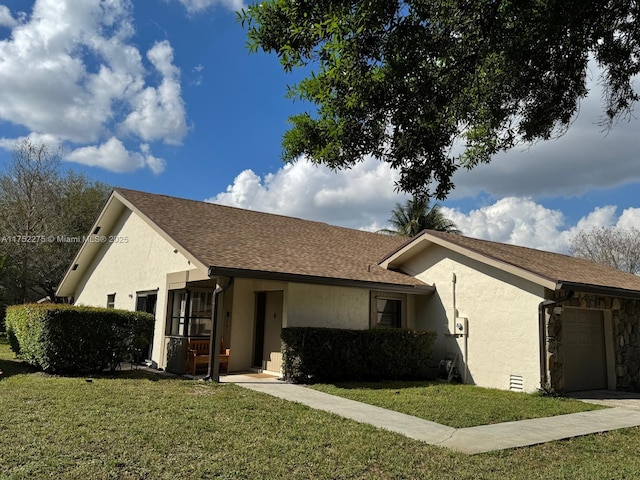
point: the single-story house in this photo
(507, 317)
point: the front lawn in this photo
(134, 426)
(455, 405)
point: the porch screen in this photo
(190, 313)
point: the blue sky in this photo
(163, 96)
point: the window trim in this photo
(376, 295)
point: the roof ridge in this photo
(259, 212)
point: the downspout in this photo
(542, 335)
(213, 373)
(542, 329)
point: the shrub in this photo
(69, 339)
(330, 354)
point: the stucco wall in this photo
(502, 312)
(327, 306)
(243, 316)
(139, 264)
(304, 305)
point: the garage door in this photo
(583, 350)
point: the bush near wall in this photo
(69, 339)
(331, 354)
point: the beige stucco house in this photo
(507, 317)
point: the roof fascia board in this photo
(507, 267)
(599, 290)
(172, 241)
(338, 282)
(83, 247)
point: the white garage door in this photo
(583, 350)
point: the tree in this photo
(407, 80)
(38, 206)
(415, 215)
(615, 247)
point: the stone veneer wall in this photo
(625, 315)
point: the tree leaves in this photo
(430, 86)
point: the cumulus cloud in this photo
(359, 198)
(196, 6)
(6, 18)
(363, 198)
(522, 221)
(70, 70)
(159, 113)
(113, 156)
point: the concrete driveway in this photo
(609, 398)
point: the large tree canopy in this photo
(404, 80)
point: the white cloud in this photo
(70, 70)
(50, 140)
(521, 221)
(359, 198)
(363, 198)
(159, 113)
(6, 19)
(157, 165)
(195, 6)
(113, 156)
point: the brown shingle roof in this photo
(555, 267)
(233, 238)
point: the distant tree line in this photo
(38, 203)
(613, 246)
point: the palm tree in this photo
(414, 216)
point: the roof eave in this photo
(472, 254)
(599, 290)
(318, 280)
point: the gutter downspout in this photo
(542, 329)
(213, 373)
(542, 335)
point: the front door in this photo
(267, 348)
(146, 302)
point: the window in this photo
(111, 300)
(388, 310)
(389, 313)
(189, 313)
(146, 301)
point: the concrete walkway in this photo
(470, 440)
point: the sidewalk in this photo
(470, 440)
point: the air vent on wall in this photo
(516, 383)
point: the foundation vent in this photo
(516, 383)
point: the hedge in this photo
(67, 339)
(331, 354)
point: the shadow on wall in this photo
(448, 350)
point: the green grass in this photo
(455, 405)
(133, 426)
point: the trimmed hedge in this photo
(67, 339)
(331, 354)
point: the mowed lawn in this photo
(135, 426)
(455, 405)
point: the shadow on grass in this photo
(13, 367)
